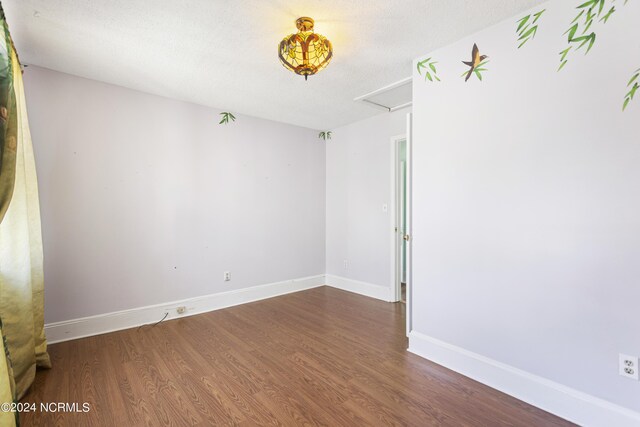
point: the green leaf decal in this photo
(562, 65)
(527, 31)
(589, 10)
(429, 68)
(589, 4)
(564, 53)
(572, 31)
(592, 40)
(226, 116)
(577, 17)
(324, 135)
(634, 85)
(522, 22)
(606, 17)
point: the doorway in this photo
(401, 220)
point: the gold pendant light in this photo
(306, 52)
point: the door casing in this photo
(395, 226)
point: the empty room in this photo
(323, 213)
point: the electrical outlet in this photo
(346, 264)
(181, 310)
(227, 276)
(628, 366)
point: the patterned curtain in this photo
(21, 266)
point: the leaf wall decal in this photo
(593, 13)
(528, 27)
(633, 87)
(225, 118)
(430, 70)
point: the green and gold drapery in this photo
(21, 263)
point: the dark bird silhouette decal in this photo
(476, 63)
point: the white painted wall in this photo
(358, 185)
(146, 200)
(526, 200)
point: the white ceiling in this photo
(223, 53)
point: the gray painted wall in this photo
(526, 200)
(146, 200)
(358, 185)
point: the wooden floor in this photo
(319, 357)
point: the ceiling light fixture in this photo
(306, 52)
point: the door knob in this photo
(406, 237)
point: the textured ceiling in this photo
(223, 53)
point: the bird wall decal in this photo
(476, 63)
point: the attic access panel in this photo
(390, 98)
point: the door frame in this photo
(409, 207)
(395, 235)
(395, 217)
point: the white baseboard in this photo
(115, 321)
(363, 288)
(563, 401)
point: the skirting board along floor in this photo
(119, 320)
(568, 403)
(131, 318)
(382, 293)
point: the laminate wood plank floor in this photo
(319, 357)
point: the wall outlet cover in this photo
(628, 366)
